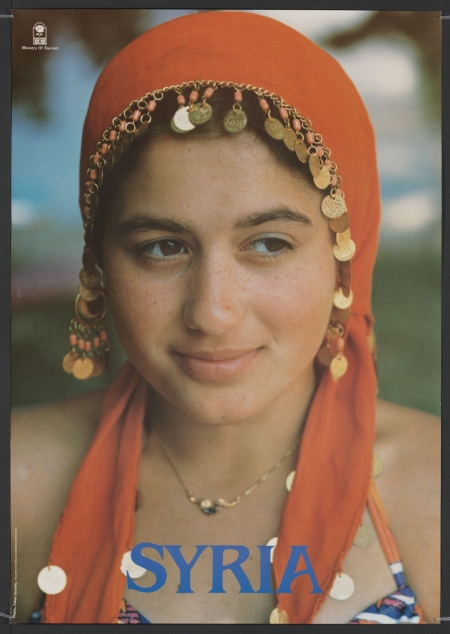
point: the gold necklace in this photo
(210, 507)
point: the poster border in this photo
(368, 5)
(5, 293)
(445, 316)
(5, 227)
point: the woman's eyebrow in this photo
(281, 213)
(139, 224)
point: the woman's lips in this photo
(216, 365)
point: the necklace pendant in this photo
(208, 507)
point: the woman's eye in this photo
(270, 245)
(163, 248)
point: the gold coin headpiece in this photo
(88, 337)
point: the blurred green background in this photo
(393, 58)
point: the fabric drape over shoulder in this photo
(327, 500)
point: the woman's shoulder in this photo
(398, 421)
(48, 444)
(408, 443)
(56, 433)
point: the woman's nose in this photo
(215, 301)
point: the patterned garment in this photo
(400, 607)
(396, 608)
(127, 614)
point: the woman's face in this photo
(220, 275)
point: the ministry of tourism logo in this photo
(39, 34)
(40, 39)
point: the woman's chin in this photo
(209, 404)
(221, 409)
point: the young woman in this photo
(230, 203)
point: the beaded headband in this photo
(88, 336)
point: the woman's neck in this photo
(222, 456)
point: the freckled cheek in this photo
(141, 308)
(297, 305)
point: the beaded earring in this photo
(88, 336)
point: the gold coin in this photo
(278, 615)
(333, 207)
(273, 543)
(346, 252)
(290, 138)
(314, 164)
(290, 480)
(200, 113)
(83, 309)
(377, 468)
(89, 294)
(181, 122)
(324, 356)
(68, 362)
(301, 150)
(343, 237)
(52, 579)
(99, 366)
(340, 301)
(87, 312)
(90, 279)
(323, 179)
(340, 315)
(83, 368)
(127, 565)
(338, 225)
(175, 129)
(345, 273)
(343, 587)
(365, 536)
(235, 120)
(275, 128)
(338, 366)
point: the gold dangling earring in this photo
(331, 354)
(88, 336)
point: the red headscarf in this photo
(325, 506)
